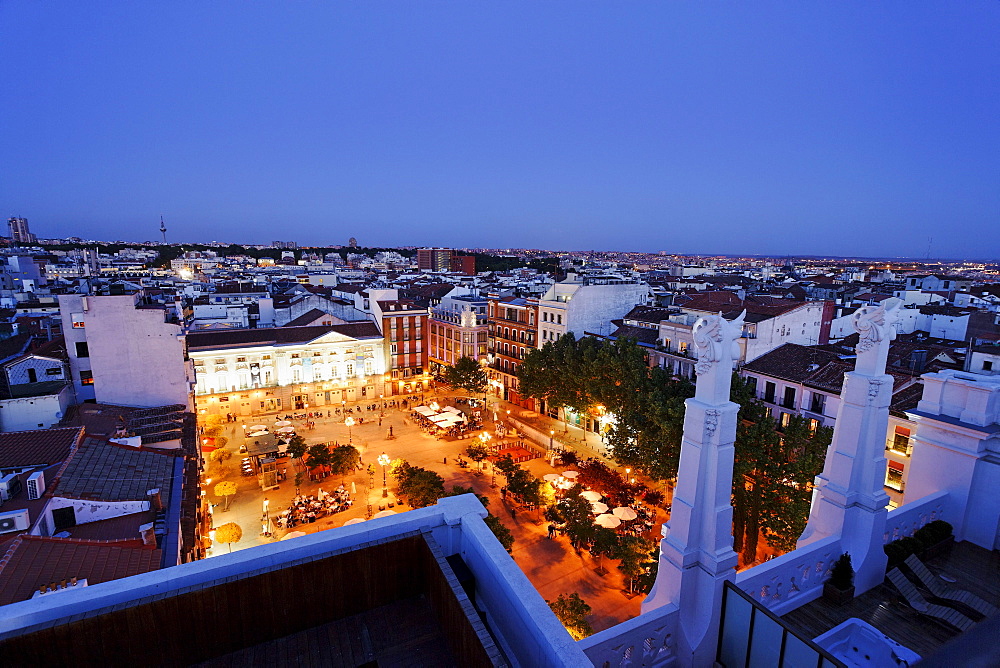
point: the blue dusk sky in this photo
(849, 128)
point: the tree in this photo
(228, 533)
(477, 452)
(501, 531)
(466, 374)
(344, 459)
(225, 489)
(576, 514)
(572, 611)
(419, 486)
(319, 455)
(297, 447)
(603, 543)
(772, 475)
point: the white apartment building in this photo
(247, 371)
(124, 350)
(586, 303)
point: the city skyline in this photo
(843, 131)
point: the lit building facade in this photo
(513, 328)
(249, 371)
(458, 328)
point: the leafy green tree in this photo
(466, 374)
(477, 452)
(418, 485)
(319, 455)
(572, 611)
(772, 477)
(501, 531)
(344, 459)
(603, 543)
(297, 447)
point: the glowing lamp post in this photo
(485, 438)
(552, 434)
(350, 423)
(383, 461)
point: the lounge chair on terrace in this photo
(943, 591)
(942, 613)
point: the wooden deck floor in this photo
(403, 633)
(974, 569)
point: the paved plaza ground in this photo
(552, 565)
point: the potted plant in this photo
(936, 539)
(839, 589)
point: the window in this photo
(789, 399)
(785, 419)
(894, 476)
(350, 369)
(901, 440)
(81, 349)
(265, 357)
(818, 403)
(77, 319)
(86, 377)
(769, 388)
(53, 371)
(559, 319)
(295, 356)
(220, 360)
(987, 365)
(241, 359)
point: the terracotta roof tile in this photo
(33, 561)
(38, 447)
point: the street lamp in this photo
(383, 461)
(350, 423)
(552, 433)
(485, 438)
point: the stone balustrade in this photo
(646, 640)
(909, 517)
(793, 579)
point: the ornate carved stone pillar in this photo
(696, 553)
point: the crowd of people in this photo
(306, 509)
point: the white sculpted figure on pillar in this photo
(876, 327)
(696, 553)
(716, 342)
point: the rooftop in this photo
(103, 471)
(975, 569)
(235, 338)
(20, 449)
(33, 561)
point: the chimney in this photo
(148, 535)
(155, 500)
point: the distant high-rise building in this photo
(284, 244)
(434, 259)
(19, 232)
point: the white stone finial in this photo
(876, 327)
(716, 344)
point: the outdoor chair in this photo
(943, 591)
(916, 601)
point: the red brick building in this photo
(513, 332)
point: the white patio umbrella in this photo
(282, 423)
(551, 477)
(294, 534)
(356, 520)
(285, 430)
(625, 513)
(591, 495)
(255, 434)
(599, 507)
(570, 474)
(384, 513)
(609, 521)
(257, 427)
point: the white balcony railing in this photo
(646, 640)
(909, 517)
(793, 579)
